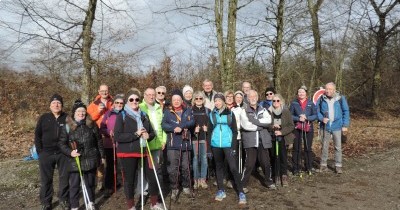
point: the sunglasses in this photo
(161, 93)
(276, 100)
(118, 102)
(269, 94)
(134, 99)
(199, 98)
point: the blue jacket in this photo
(341, 109)
(170, 122)
(224, 134)
(310, 112)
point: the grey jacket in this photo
(254, 124)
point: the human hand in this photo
(197, 129)
(325, 120)
(344, 130)
(145, 135)
(278, 133)
(177, 130)
(74, 153)
(205, 128)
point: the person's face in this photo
(218, 103)
(330, 90)
(198, 100)
(253, 98)
(118, 104)
(276, 102)
(80, 114)
(160, 94)
(176, 101)
(55, 107)
(207, 87)
(269, 95)
(229, 99)
(103, 91)
(150, 96)
(188, 95)
(301, 94)
(133, 102)
(238, 99)
(246, 87)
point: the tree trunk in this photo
(87, 41)
(380, 45)
(278, 46)
(317, 71)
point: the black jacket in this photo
(48, 131)
(88, 140)
(201, 116)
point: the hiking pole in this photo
(306, 151)
(177, 177)
(300, 151)
(141, 174)
(115, 165)
(240, 157)
(155, 173)
(198, 159)
(190, 177)
(277, 168)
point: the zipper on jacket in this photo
(220, 135)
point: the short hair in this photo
(198, 94)
(280, 98)
(207, 80)
(251, 91)
(148, 89)
(229, 92)
(331, 83)
(161, 87)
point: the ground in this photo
(371, 180)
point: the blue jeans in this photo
(199, 155)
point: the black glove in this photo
(233, 153)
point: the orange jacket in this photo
(93, 109)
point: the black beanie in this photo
(220, 96)
(270, 89)
(78, 104)
(56, 97)
(177, 92)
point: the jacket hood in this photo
(73, 125)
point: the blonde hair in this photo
(197, 94)
(280, 98)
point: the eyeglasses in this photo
(276, 101)
(134, 99)
(103, 91)
(269, 94)
(161, 93)
(198, 99)
(118, 102)
(229, 97)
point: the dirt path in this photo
(369, 182)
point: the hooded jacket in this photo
(255, 124)
(170, 121)
(341, 112)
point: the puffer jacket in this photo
(310, 112)
(255, 124)
(161, 137)
(170, 122)
(126, 138)
(88, 140)
(223, 135)
(341, 112)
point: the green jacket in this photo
(161, 136)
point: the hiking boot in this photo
(196, 184)
(242, 199)
(229, 184)
(158, 206)
(220, 195)
(203, 184)
(296, 173)
(64, 205)
(215, 182)
(108, 193)
(92, 205)
(245, 190)
(174, 194)
(323, 169)
(339, 170)
(46, 207)
(278, 181)
(272, 186)
(99, 186)
(74, 208)
(186, 191)
(285, 182)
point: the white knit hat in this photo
(187, 88)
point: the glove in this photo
(233, 153)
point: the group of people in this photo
(186, 139)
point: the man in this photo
(46, 141)
(101, 104)
(269, 95)
(155, 113)
(209, 93)
(160, 96)
(334, 115)
(256, 139)
(246, 87)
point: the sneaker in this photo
(203, 184)
(271, 186)
(323, 169)
(133, 208)
(92, 205)
(186, 191)
(174, 194)
(229, 184)
(74, 208)
(196, 184)
(277, 181)
(242, 199)
(46, 207)
(64, 205)
(220, 195)
(285, 182)
(245, 190)
(215, 182)
(296, 173)
(339, 170)
(158, 206)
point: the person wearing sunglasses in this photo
(281, 131)
(161, 92)
(200, 113)
(107, 131)
(304, 112)
(269, 94)
(132, 130)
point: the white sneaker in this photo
(186, 191)
(158, 206)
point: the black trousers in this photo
(282, 157)
(262, 155)
(305, 138)
(48, 161)
(220, 156)
(109, 170)
(75, 186)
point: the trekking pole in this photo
(155, 173)
(306, 151)
(177, 177)
(141, 174)
(240, 157)
(190, 177)
(277, 168)
(115, 165)
(300, 150)
(198, 158)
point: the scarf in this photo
(135, 114)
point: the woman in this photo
(223, 145)
(80, 138)
(107, 131)
(131, 131)
(187, 92)
(281, 132)
(239, 97)
(304, 113)
(200, 113)
(177, 123)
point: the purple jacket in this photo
(106, 126)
